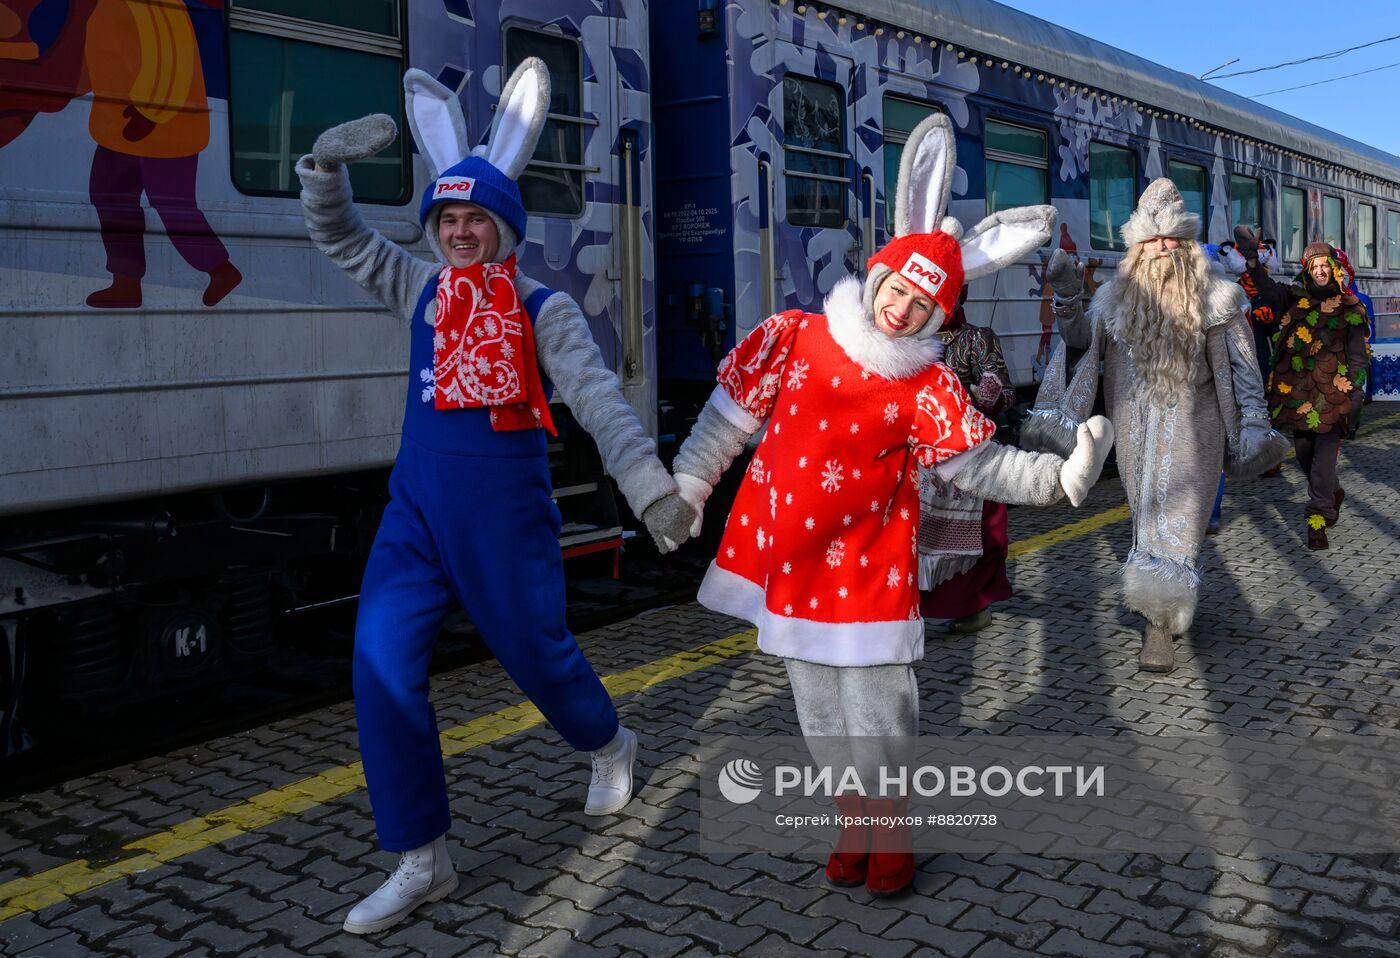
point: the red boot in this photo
(846, 866)
(891, 868)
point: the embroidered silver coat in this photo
(1170, 458)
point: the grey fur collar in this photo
(853, 328)
(1223, 299)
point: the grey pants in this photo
(856, 716)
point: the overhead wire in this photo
(1255, 96)
(1293, 63)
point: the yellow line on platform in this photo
(57, 884)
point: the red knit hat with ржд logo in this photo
(931, 261)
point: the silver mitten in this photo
(669, 519)
(1065, 275)
(354, 140)
(1261, 448)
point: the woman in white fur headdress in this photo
(820, 550)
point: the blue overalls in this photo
(470, 520)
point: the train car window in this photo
(1392, 239)
(297, 67)
(1293, 223)
(1366, 236)
(1018, 168)
(1113, 191)
(553, 181)
(1245, 194)
(814, 152)
(901, 116)
(1190, 179)
(1332, 213)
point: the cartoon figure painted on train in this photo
(149, 120)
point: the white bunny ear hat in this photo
(485, 176)
(929, 248)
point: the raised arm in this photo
(384, 269)
(1274, 295)
(1066, 279)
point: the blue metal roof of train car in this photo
(996, 30)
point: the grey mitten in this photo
(669, 519)
(354, 140)
(1065, 275)
(1261, 447)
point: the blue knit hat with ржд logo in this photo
(474, 180)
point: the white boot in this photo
(424, 874)
(611, 786)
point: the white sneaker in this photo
(611, 786)
(424, 874)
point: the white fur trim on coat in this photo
(853, 328)
(826, 643)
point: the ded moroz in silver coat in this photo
(1170, 456)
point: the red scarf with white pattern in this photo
(484, 348)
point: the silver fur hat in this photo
(1161, 212)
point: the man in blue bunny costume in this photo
(470, 518)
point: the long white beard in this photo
(1160, 319)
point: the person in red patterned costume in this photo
(963, 541)
(821, 547)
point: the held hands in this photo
(1081, 470)
(355, 140)
(1065, 274)
(671, 520)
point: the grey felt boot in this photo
(1156, 654)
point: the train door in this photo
(815, 231)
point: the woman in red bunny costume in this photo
(820, 551)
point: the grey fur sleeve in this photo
(1010, 475)
(571, 358)
(711, 446)
(1075, 326)
(387, 271)
(1244, 370)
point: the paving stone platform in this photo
(187, 855)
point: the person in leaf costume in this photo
(1321, 363)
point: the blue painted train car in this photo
(804, 106)
(181, 359)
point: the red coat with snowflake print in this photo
(821, 548)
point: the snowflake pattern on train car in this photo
(568, 253)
